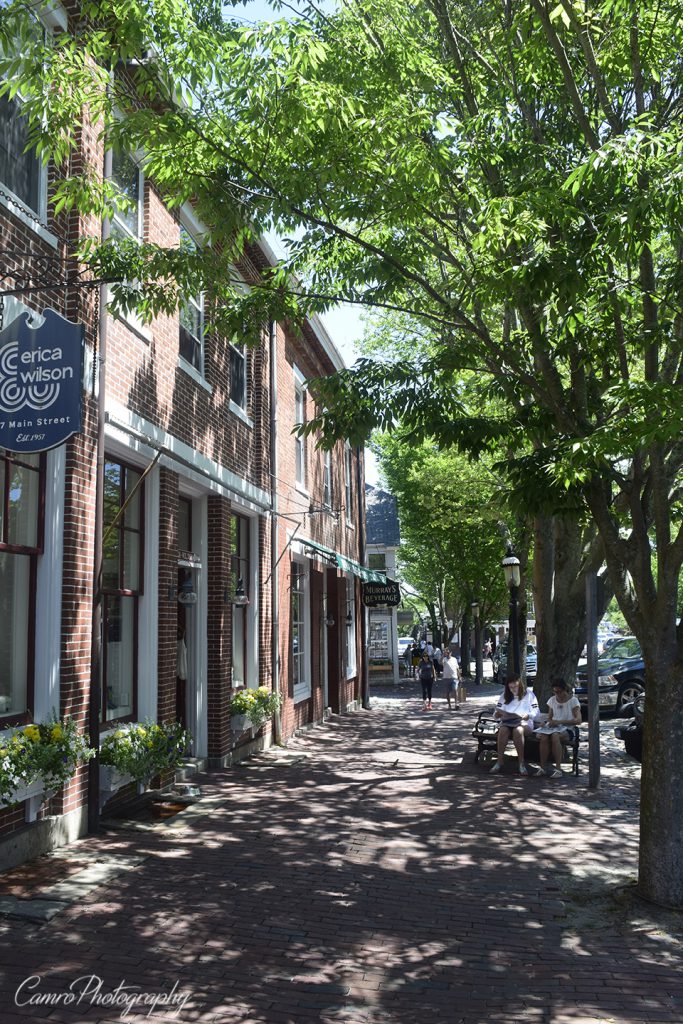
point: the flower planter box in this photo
(34, 794)
(240, 723)
(112, 780)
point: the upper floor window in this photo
(238, 374)
(377, 561)
(299, 439)
(192, 316)
(348, 485)
(22, 482)
(21, 171)
(128, 221)
(327, 479)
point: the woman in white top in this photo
(564, 709)
(517, 709)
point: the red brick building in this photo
(237, 559)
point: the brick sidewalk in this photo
(369, 873)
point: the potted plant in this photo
(39, 759)
(137, 751)
(251, 707)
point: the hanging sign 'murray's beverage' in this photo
(41, 370)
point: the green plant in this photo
(144, 749)
(50, 751)
(257, 704)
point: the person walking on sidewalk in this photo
(425, 673)
(452, 677)
(517, 708)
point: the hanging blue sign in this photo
(41, 370)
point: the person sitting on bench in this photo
(517, 709)
(564, 712)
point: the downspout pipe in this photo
(96, 622)
(365, 670)
(274, 560)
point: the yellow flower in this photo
(32, 732)
(141, 731)
(56, 733)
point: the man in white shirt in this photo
(452, 677)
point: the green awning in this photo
(344, 563)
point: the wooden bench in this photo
(485, 732)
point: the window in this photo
(239, 580)
(191, 316)
(301, 684)
(184, 524)
(238, 374)
(127, 176)
(348, 492)
(300, 441)
(378, 562)
(22, 484)
(121, 586)
(21, 171)
(327, 479)
(350, 627)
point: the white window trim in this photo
(190, 224)
(303, 689)
(241, 350)
(351, 664)
(237, 411)
(327, 479)
(348, 485)
(132, 320)
(300, 392)
(189, 369)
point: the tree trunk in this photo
(465, 646)
(562, 556)
(660, 869)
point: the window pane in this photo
(112, 490)
(119, 658)
(131, 561)
(132, 513)
(110, 561)
(184, 520)
(238, 381)
(126, 175)
(14, 608)
(24, 495)
(19, 171)
(239, 627)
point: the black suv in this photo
(621, 676)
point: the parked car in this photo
(403, 643)
(632, 734)
(621, 676)
(500, 659)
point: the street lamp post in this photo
(511, 569)
(478, 653)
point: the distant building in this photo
(382, 540)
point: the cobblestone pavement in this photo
(370, 873)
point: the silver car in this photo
(500, 662)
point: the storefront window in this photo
(239, 572)
(22, 481)
(122, 585)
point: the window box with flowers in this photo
(138, 751)
(251, 707)
(38, 760)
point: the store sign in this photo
(375, 594)
(41, 370)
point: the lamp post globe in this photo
(510, 565)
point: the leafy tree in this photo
(507, 170)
